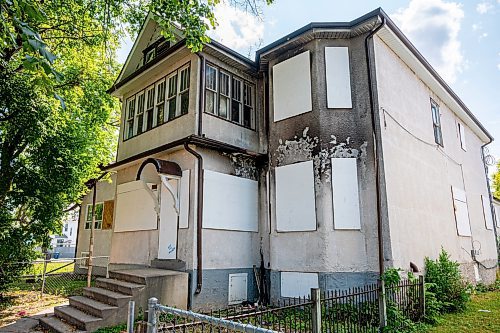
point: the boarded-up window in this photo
(338, 77)
(488, 217)
(230, 202)
(292, 87)
(461, 212)
(297, 284)
(295, 199)
(135, 207)
(107, 218)
(345, 194)
(237, 288)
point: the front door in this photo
(169, 220)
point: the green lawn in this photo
(54, 267)
(474, 320)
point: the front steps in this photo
(106, 304)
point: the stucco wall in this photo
(419, 175)
(326, 249)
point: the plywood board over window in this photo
(338, 77)
(345, 194)
(298, 284)
(292, 86)
(230, 202)
(135, 207)
(461, 212)
(295, 197)
(107, 218)
(488, 217)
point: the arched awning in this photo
(162, 167)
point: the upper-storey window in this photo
(163, 101)
(229, 97)
(436, 122)
(154, 50)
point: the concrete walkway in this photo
(27, 324)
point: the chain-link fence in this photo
(65, 277)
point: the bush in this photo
(446, 291)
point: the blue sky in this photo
(461, 39)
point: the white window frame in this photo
(157, 104)
(226, 96)
(436, 123)
(129, 121)
(139, 113)
(98, 225)
(216, 91)
(179, 92)
(146, 108)
(240, 101)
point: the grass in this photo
(22, 303)
(54, 267)
(474, 320)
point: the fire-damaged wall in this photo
(340, 253)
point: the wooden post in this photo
(382, 304)
(421, 290)
(316, 310)
(91, 242)
(45, 259)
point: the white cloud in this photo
(484, 7)
(433, 26)
(476, 27)
(236, 28)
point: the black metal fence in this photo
(360, 309)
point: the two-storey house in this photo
(339, 151)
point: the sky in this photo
(460, 39)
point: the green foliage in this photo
(496, 182)
(445, 288)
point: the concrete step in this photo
(120, 286)
(54, 324)
(107, 296)
(170, 264)
(80, 319)
(93, 307)
(127, 276)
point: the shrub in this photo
(446, 290)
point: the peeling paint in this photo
(243, 166)
(301, 149)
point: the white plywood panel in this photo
(338, 77)
(461, 212)
(238, 289)
(292, 87)
(230, 202)
(184, 199)
(295, 199)
(135, 208)
(167, 239)
(345, 194)
(488, 218)
(298, 284)
(497, 213)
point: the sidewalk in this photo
(27, 324)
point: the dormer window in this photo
(149, 55)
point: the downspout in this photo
(199, 205)
(490, 197)
(376, 157)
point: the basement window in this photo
(98, 216)
(436, 123)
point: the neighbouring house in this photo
(338, 150)
(64, 245)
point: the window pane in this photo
(184, 102)
(160, 94)
(159, 114)
(131, 108)
(171, 108)
(130, 129)
(236, 93)
(98, 211)
(140, 104)
(235, 111)
(224, 84)
(185, 79)
(211, 78)
(151, 97)
(248, 96)
(149, 119)
(247, 116)
(210, 102)
(88, 217)
(140, 123)
(223, 106)
(172, 86)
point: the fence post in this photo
(46, 257)
(152, 302)
(421, 287)
(316, 310)
(130, 317)
(382, 305)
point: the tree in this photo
(496, 182)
